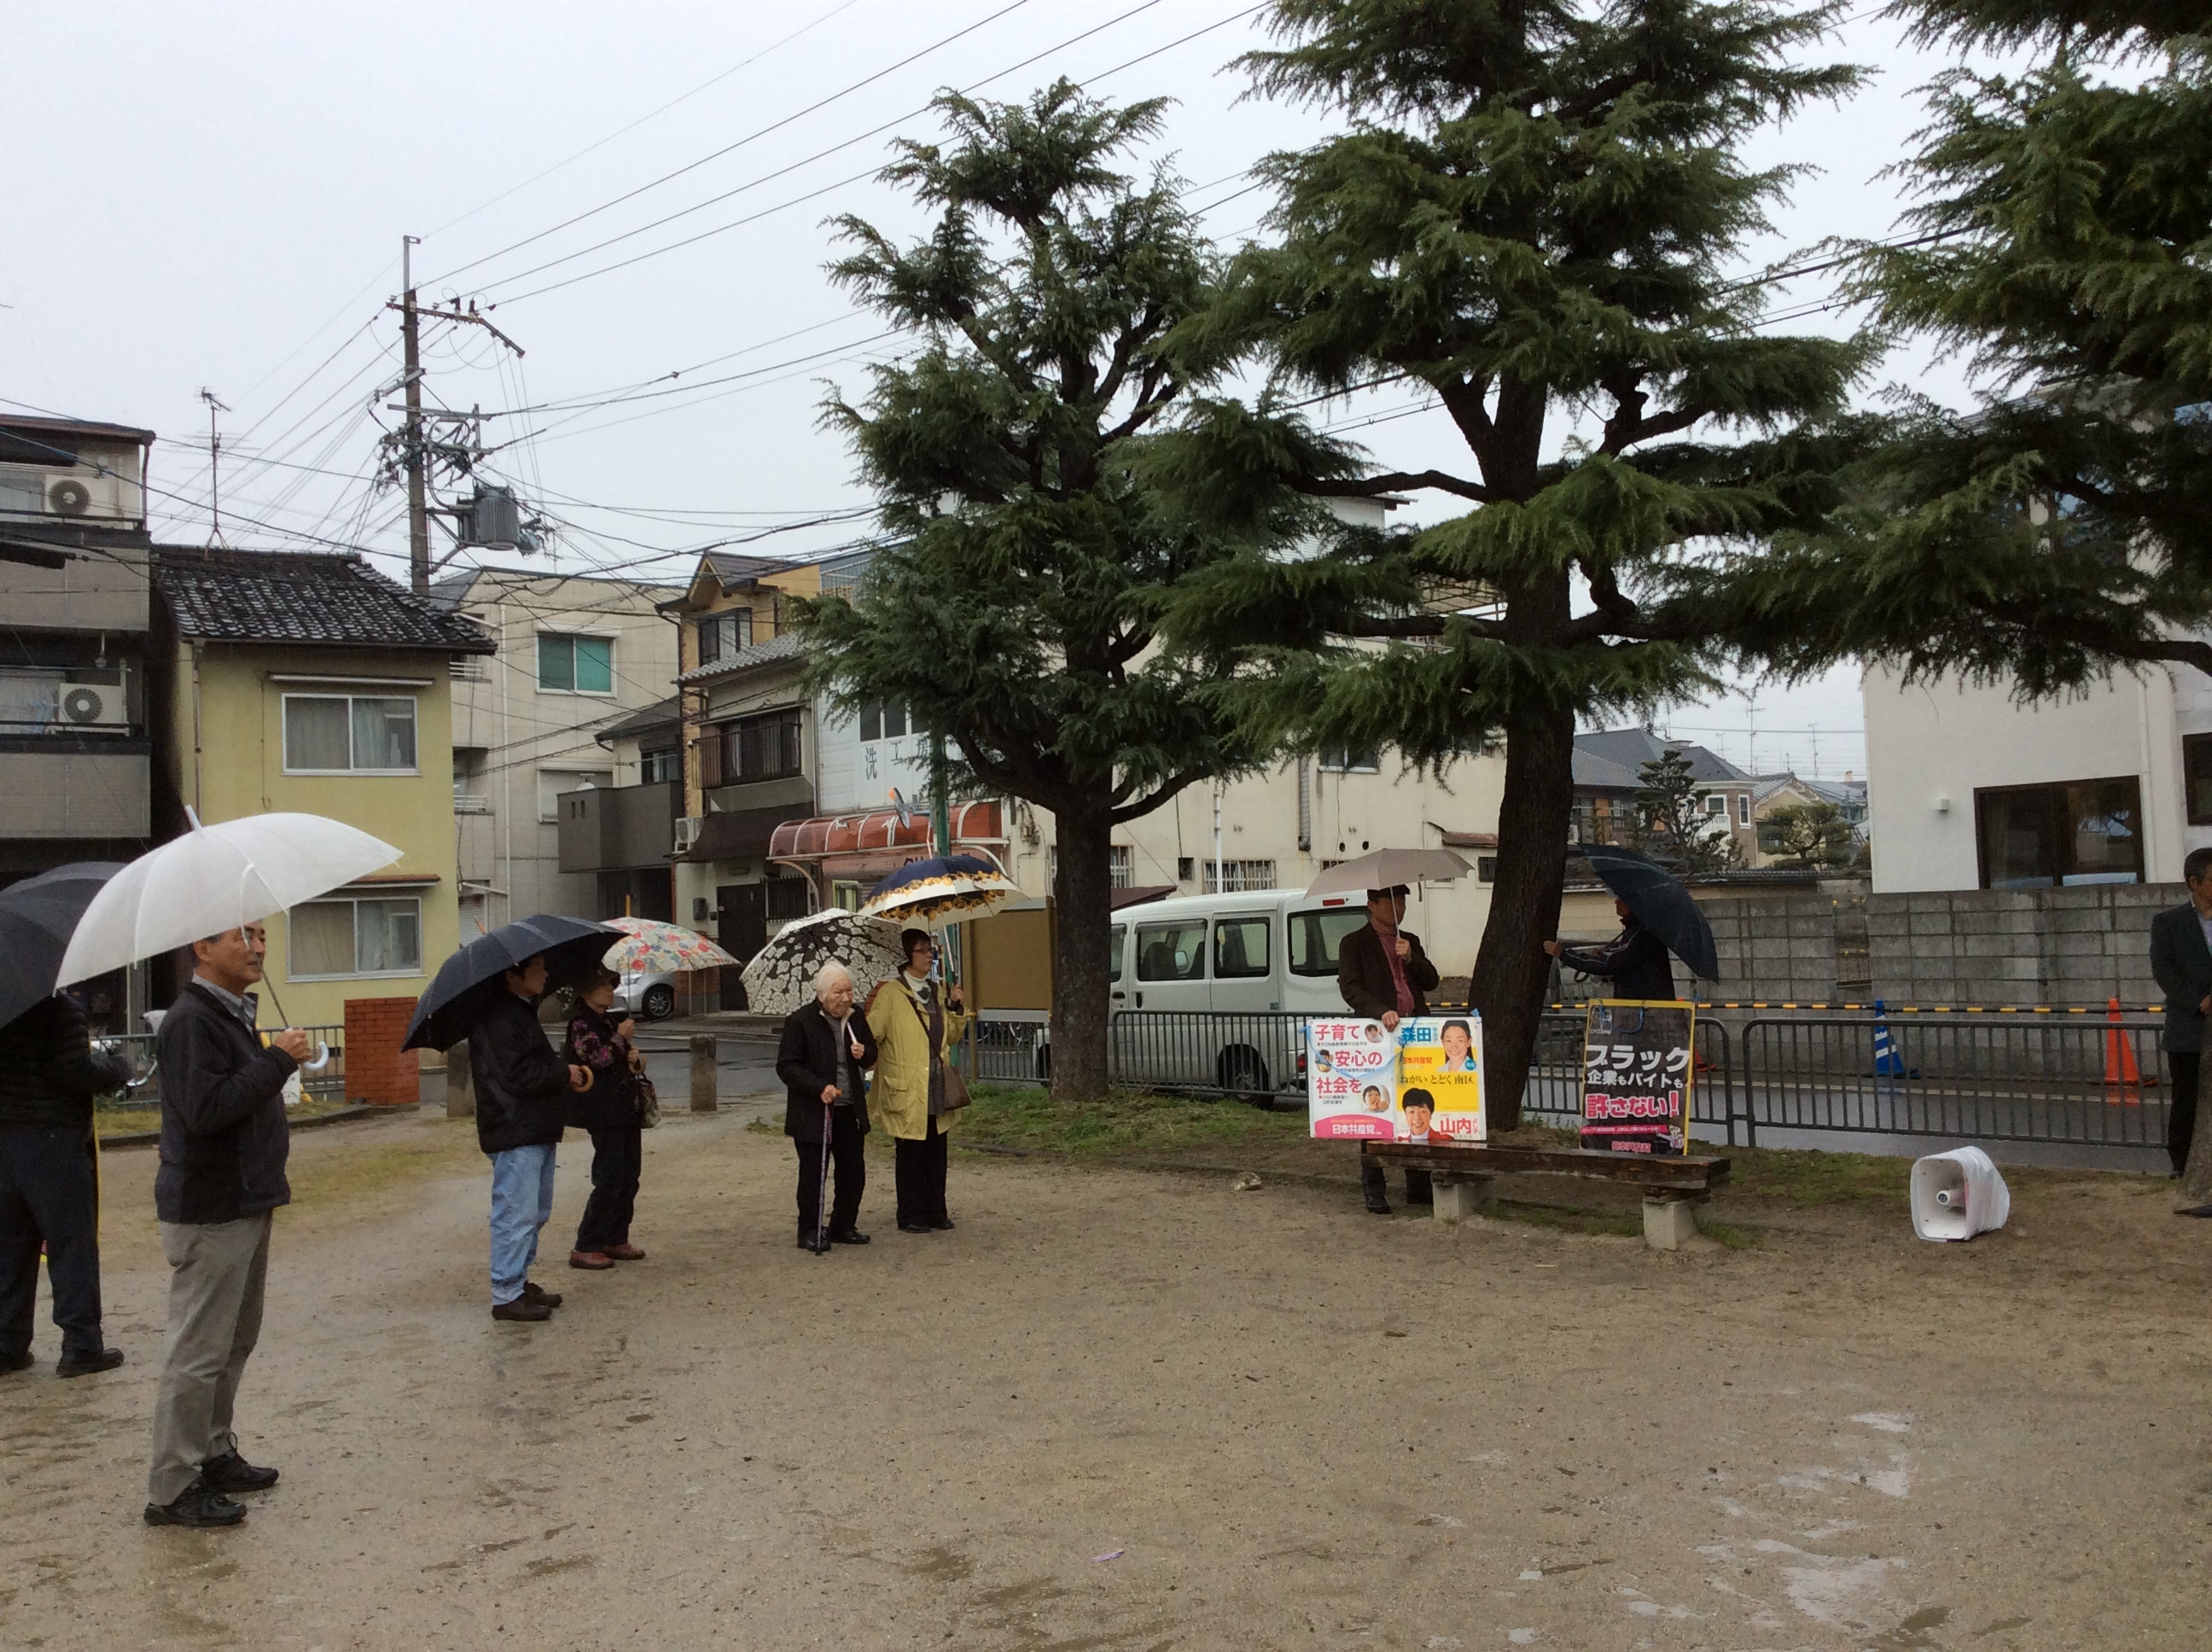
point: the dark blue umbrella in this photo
(1660, 902)
(572, 948)
(923, 891)
(37, 917)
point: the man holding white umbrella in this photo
(224, 1144)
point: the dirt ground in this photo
(1122, 1409)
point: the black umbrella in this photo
(572, 948)
(1660, 902)
(37, 917)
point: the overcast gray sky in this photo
(220, 191)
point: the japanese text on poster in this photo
(1637, 1065)
(1422, 1082)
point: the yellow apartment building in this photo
(310, 682)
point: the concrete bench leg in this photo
(1458, 1198)
(1670, 1219)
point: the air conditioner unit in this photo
(92, 708)
(687, 833)
(71, 494)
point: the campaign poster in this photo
(1638, 1066)
(1351, 1081)
(1440, 1080)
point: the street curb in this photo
(339, 1115)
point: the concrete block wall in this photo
(2080, 945)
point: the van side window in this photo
(1240, 948)
(1114, 958)
(1171, 951)
(1315, 937)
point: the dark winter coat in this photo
(1363, 973)
(48, 1071)
(521, 1082)
(611, 1102)
(2183, 964)
(807, 1059)
(1636, 960)
(224, 1135)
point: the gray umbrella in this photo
(780, 977)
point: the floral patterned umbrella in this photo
(780, 976)
(649, 945)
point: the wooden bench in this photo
(1677, 1191)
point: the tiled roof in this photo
(321, 599)
(782, 646)
(732, 569)
(1629, 748)
(662, 714)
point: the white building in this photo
(577, 654)
(1968, 790)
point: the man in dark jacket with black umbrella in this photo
(1636, 960)
(224, 1143)
(522, 1089)
(49, 1183)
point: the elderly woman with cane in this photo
(824, 1050)
(915, 1094)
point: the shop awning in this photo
(876, 844)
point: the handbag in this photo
(648, 1102)
(956, 1095)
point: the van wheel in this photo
(1244, 1075)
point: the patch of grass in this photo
(1808, 1176)
(133, 1120)
(1734, 1237)
(1126, 1121)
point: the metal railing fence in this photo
(137, 1052)
(2075, 1081)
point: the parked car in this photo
(1251, 963)
(648, 994)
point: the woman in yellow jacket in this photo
(915, 1025)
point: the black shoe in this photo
(523, 1309)
(100, 1359)
(532, 1292)
(10, 1364)
(2195, 1210)
(199, 1506)
(848, 1236)
(1379, 1206)
(915, 1227)
(232, 1472)
(819, 1247)
(940, 1223)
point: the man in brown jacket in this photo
(1383, 974)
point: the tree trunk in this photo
(2196, 1175)
(1083, 888)
(1511, 970)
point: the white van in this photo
(1248, 964)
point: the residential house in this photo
(1785, 790)
(76, 749)
(1608, 765)
(1971, 790)
(624, 834)
(288, 681)
(577, 654)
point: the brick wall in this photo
(376, 1069)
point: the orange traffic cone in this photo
(2120, 1071)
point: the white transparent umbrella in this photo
(215, 878)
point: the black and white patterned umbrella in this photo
(780, 976)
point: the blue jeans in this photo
(521, 1201)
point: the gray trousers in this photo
(216, 1272)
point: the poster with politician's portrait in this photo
(1351, 1080)
(1440, 1079)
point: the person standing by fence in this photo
(2181, 958)
(1383, 974)
(49, 1183)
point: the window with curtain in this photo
(721, 636)
(883, 721)
(763, 748)
(370, 936)
(339, 734)
(2073, 832)
(575, 664)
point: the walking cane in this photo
(822, 1190)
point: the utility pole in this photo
(214, 465)
(410, 334)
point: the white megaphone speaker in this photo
(1958, 1194)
